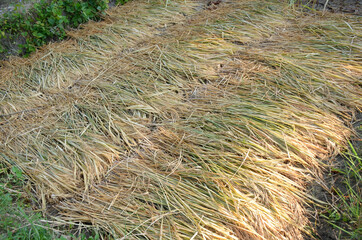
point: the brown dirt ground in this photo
(334, 180)
(346, 6)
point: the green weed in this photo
(344, 213)
(47, 21)
(18, 221)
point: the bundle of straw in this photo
(176, 121)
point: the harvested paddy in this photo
(184, 120)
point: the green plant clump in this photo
(17, 219)
(16, 222)
(47, 21)
(344, 214)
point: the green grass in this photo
(18, 221)
(344, 212)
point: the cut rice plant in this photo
(176, 121)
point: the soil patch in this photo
(346, 6)
(326, 190)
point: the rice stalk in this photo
(179, 122)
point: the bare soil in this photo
(346, 6)
(335, 180)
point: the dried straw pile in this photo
(179, 122)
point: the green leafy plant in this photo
(121, 1)
(47, 21)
